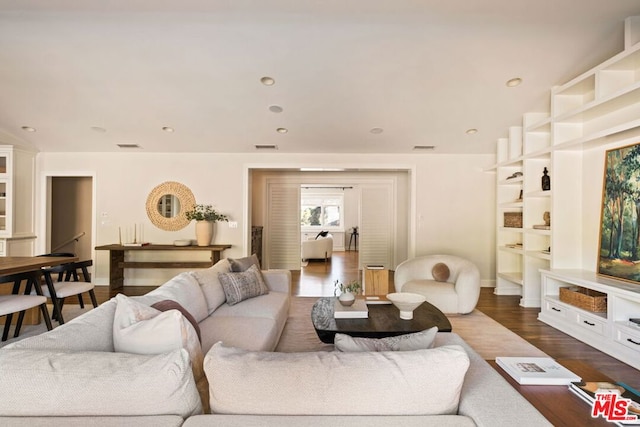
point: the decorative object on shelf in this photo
(619, 251)
(165, 204)
(205, 217)
(406, 302)
(182, 242)
(546, 180)
(347, 292)
(514, 175)
(547, 222)
(519, 199)
(513, 219)
(584, 298)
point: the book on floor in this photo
(608, 408)
(536, 371)
(356, 311)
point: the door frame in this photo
(43, 226)
(247, 192)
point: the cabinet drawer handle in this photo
(556, 309)
(633, 342)
(589, 323)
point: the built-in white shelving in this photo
(596, 111)
(17, 175)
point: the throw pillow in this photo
(322, 234)
(210, 284)
(241, 286)
(242, 264)
(421, 382)
(440, 272)
(140, 329)
(418, 341)
(186, 291)
(167, 304)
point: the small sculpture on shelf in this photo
(547, 222)
(546, 180)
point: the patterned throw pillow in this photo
(241, 286)
(408, 342)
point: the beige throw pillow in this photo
(421, 382)
(408, 342)
(141, 329)
(210, 284)
(440, 272)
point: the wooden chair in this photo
(16, 303)
(58, 290)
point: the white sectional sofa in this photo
(72, 376)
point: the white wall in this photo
(454, 209)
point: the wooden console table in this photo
(117, 264)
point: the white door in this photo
(282, 231)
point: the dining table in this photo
(26, 264)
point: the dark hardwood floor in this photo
(317, 278)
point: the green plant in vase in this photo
(347, 292)
(205, 216)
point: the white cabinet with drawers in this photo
(610, 332)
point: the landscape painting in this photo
(619, 254)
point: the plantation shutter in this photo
(282, 233)
(376, 225)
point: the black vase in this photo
(546, 180)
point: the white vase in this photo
(347, 299)
(204, 232)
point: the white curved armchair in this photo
(459, 294)
(320, 248)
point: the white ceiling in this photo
(425, 71)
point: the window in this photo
(321, 211)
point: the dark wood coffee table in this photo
(384, 321)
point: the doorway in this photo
(70, 215)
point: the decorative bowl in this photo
(184, 242)
(406, 302)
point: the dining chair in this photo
(17, 303)
(64, 287)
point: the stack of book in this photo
(536, 370)
(358, 310)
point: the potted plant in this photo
(205, 216)
(347, 292)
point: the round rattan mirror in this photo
(167, 203)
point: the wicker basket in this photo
(584, 298)
(513, 219)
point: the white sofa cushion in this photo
(407, 342)
(421, 382)
(210, 284)
(185, 290)
(42, 383)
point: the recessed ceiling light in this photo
(168, 129)
(376, 131)
(282, 130)
(98, 129)
(471, 131)
(268, 81)
(28, 129)
(275, 109)
(514, 82)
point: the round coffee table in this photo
(383, 321)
